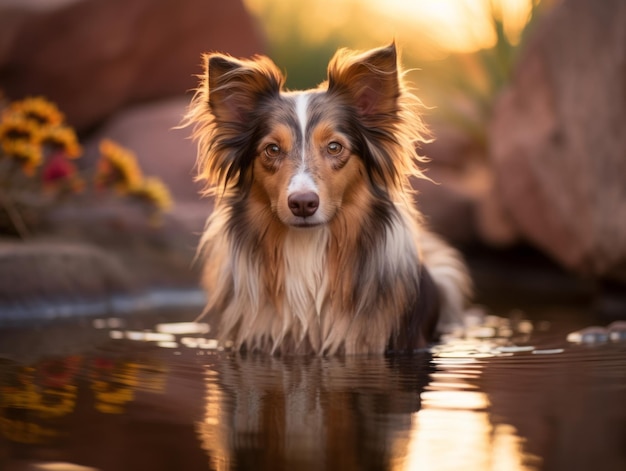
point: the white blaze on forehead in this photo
(301, 182)
(302, 103)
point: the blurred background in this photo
(525, 99)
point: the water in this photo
(154, 393)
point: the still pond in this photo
(153, 392)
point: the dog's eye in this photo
(272, 150)
(334, 148)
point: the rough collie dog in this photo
(314, 244)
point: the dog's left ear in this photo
(370, 79)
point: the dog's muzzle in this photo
(303, 204)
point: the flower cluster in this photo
(32, 130)
(38, 151)
(118, 169)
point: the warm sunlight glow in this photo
(433, 28)
(457, 25)
(214, 428)
(479, 445)
(459, 415)
(455, 411)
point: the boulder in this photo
(446, 203)
(558, 138)
(457, 200)
(155, 255)
(92, 57)
(98, 264)
(43, 278)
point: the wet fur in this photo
(357, 276)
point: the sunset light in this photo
(312, 235)
(431, 29)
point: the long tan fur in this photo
(346, 278)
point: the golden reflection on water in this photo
(453, 431)
(212, 429)
(490, 400)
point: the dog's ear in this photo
(370, 79)
(235, 86)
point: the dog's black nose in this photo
(303, 204)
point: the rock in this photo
(59, 277)
(92, 57)
(458, 203)
(102, 259)
(38, 277)
(154, 255)
(447, 206)
(558, 141)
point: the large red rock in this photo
(558, 138)
(92, 57)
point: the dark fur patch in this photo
(417, 328)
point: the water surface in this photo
(154, 393)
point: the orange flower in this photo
(153, 191)
(14, 127)
(62, 137)
(117, 167)
(28, 154)
(37, 109)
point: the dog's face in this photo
(305, 162)
(306, 155)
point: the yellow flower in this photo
(118, 167)
(27, 153)
(154, 191)
(14, 127)
(63, 137)
(38, 109)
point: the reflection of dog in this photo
(314, 244)
(305, 413)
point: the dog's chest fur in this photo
(306, 275)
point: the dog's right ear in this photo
(235, 86)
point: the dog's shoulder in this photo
(417, 326)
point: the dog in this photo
(314, 245)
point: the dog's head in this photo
(308, 154)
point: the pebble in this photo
(515, 349)
(617, 331)
(548, 351)
(598, 335)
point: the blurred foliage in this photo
(38, 170)
(465, 86)
(458, 65)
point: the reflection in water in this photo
(455, 412)
(311, 413)
(321, 414)
(500, 400)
